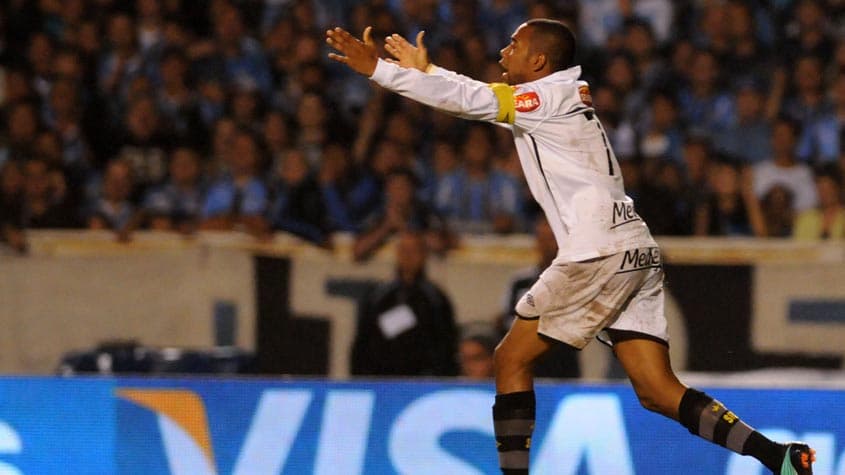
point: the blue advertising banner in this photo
(205, 426)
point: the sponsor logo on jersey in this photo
(586, 97)
(636, 259)
(527, 101)
(529, 299)
(623, 213)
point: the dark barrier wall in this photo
(715, 301)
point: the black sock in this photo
(711, 420)
(513, 422)
(769, 453)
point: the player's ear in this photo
(539, 61)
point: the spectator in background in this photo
(406, 327)
(778, 210)
(821, 140)
(665, 201)
(661, 136)
(246, 107)
(11, 205)
(63, 114)
(783, 169)
(641, 44)
(122, 62)
(807, 31)
(211, 100)
(113, 209)
(46, 205)
(312, 119)
(337, 181)
(145, 143)
(827, 220)
(748, 59)
(697, 165)
(238, 200)
(620, 76)
(297, 205)
(176, 99)
(372, 171)
(748, 136)
(276, 134)
(600, 18)
(444, 160)
(223, 136)
(176, 205)
(477, 342)
(562, 360)
(619, 130)
(149, 27)
(730, 207)
(704, 105)
(478, 198)
(40, 52)
(810, 106)
(22, 126)
(232, 56)
(402, 211)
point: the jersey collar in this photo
(567, 75)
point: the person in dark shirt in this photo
(45, 206)
(406, 327)
(298, 206)
(176, 205)
(11, 206)
(402, 211)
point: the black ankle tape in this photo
(692, 405)
(519, 405)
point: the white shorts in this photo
(623, 292)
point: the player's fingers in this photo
(420, 36)
(399, 42)
(367, 36)
(340, 36)
(338, 58)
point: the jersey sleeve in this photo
(464, 98)
(438, 71)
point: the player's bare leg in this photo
(647, 364)
(514, 411)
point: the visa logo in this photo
(591, 428)
(413, 440)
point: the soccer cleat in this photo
(798, 459)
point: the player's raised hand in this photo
(359, 55)
(406, 54)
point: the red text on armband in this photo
(586, 98)
(527, 101)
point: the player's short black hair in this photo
(555, 40)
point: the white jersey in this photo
(568, 162)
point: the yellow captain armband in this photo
(507, 106)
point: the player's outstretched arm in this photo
(450, 93)
(359, 55)
(406, 54)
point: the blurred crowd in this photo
(726, 116)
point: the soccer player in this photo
(607, 278)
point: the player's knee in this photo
(649, 402)
(654, 401)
